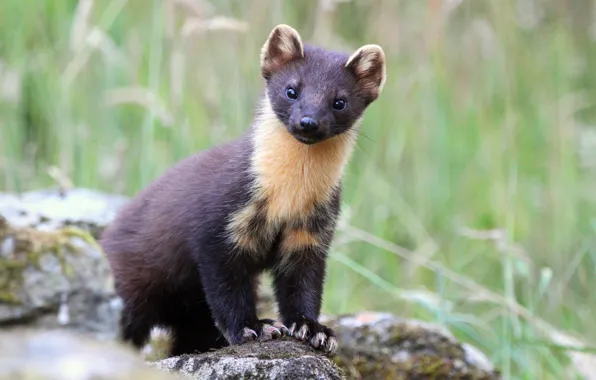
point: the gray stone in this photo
(372, 345)
(53, 209)
(54, 275)
(52, 271)
(66, 355)
(275, 359)
(380, 346)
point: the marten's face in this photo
(316, 97)
(315, 93)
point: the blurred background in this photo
(471, 198)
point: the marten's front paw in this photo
(264, 329)
(317, 335)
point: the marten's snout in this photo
(309, 130)
(308, 125)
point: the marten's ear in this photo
(283, 46)
(368, 66)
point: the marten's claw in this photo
(249, 334)
(318, 340)
(332, 346)
(276, 327)
(271, 331)
(263, 330)
(316, 334)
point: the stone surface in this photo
(52, 272)
(371, 346)
(277, 359)
(66, 355)
(382, 346)
(54, 275)
(51, 209)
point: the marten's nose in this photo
(308, 125)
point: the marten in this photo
(187, 251)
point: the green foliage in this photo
(474, 177)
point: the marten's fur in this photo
(187, 250)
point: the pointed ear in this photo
(368, 66)
(283, 46)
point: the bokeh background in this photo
(469, 202)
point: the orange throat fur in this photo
(293, 176)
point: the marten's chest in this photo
(290, 194)
(256, 227)
(291, 182)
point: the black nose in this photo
(308, 124)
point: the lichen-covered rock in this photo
(275, 359)
(55, 278)
(53, 274)
(382, 346)
(52, 209)
(66, 355)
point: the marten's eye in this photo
(291, 93)
(339, 104)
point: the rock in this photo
(382, 346)
(374, 346)
(66, 355)
(275, 359)
(51, 209)
(371, 346)
(56, 277)
(53, 274)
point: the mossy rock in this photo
(55, 278)
(284, 358)
(382, 346)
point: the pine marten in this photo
(187, 251)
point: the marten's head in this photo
(315, 93)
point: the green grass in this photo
(468, 201)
